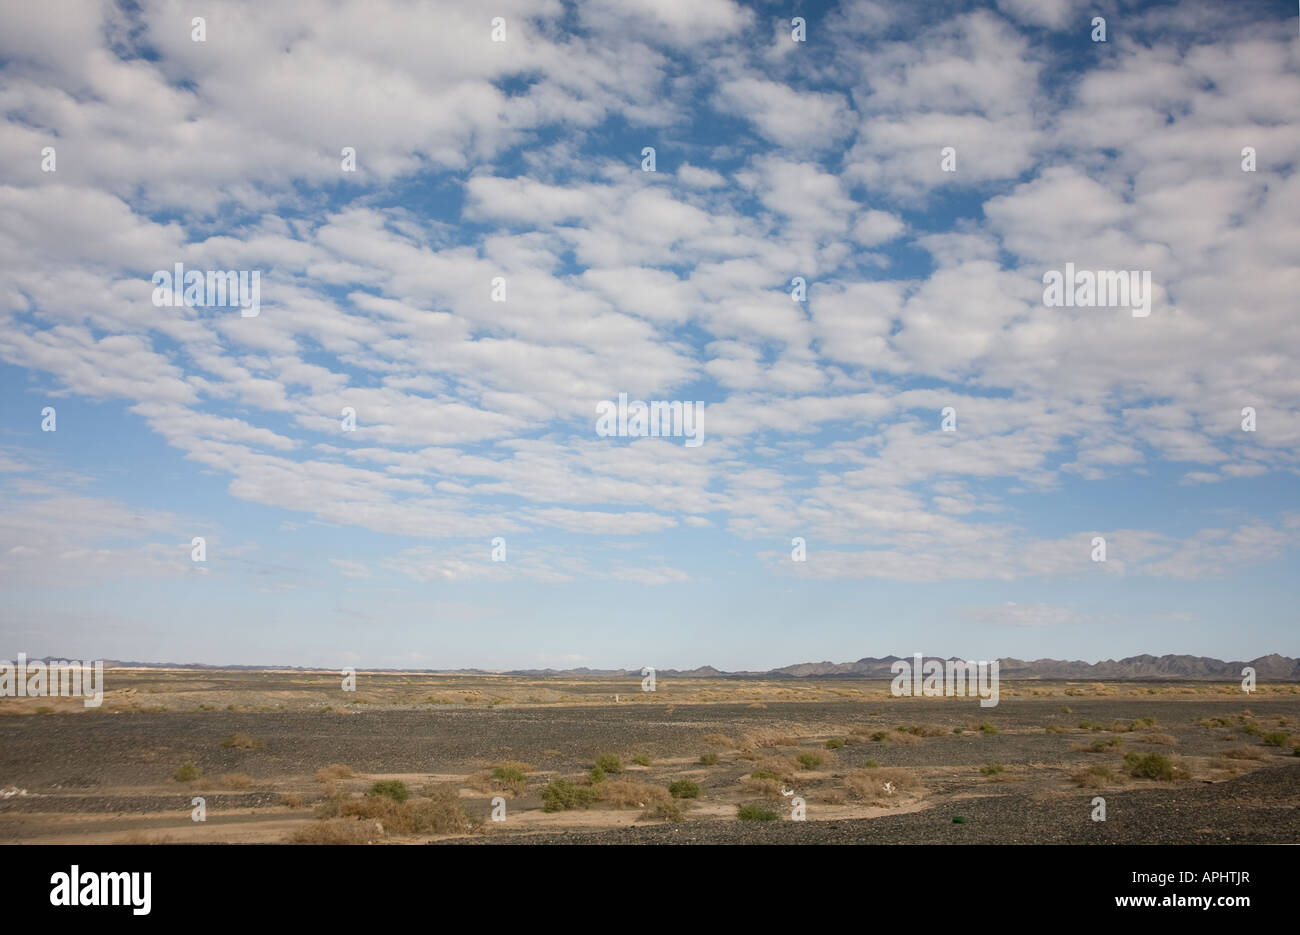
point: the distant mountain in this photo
(1273, 668)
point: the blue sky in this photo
(476, 419)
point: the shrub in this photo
(765, 774)
(241, 741)
(672, 810)
(512, 777)
(992, 769)
(754, 811)
(869, 784)
(641, 759)
(835, 743)
(810, 761)
(684, 789)
(437, 812)
(1243, 753)
(393, 789)
(596, 775)
(235, 781)
(1096, 776)
(987, 728)
(871, 764)
(767, 788)
(609, 763)
(1162, 739)
(625, 793)
(1276, 738)
(1149, 766)
(1055, 729)
(187, 772)
(924, 730)
(708, 759)
(336, 831)
(562, 794)
(334, 771)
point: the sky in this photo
(500, 262)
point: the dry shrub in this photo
(234, 781)
(438, 811)
(925, 730)
(1162, 739)
(899, 737)
(869, 784)
(334, 771)
(1235, 767)
(292, 800)
(1096, 776)
(625, 793)
(241, 741)
(722, 740)
(767, 788)
(770, 737)
(783, 768)
(672, 810)
(1243, 753)
(336, 831)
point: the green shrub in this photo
(835, 743)
(871, 764)
(684, 789)
(987, 728)
(1150, 766)
(609, 762)
(754, 811)
(509, 774)
(992, 769)
(810, 760)
(708, 759)
(597, 775)
(641, 759)
(880, 736)
(187, 772)
(561, 795)
(393, 789)
(1277, 738)
(764, 774)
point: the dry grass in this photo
(241, 741)
(1243, 753)
(770, 737)
(337, 831)
(625, 793)
(292, 800)
(1097, 776)
(334, 771)
(722, 740)
(924, 730)
(1162, 739)
(144, 837)
(870, 785)
(234, 781)
(769, 789)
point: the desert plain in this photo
(287, 756)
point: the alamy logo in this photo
(211, 289)
(103, 889)
(1102, 289)
(953, 678)
(59, 679)
(657, 419)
